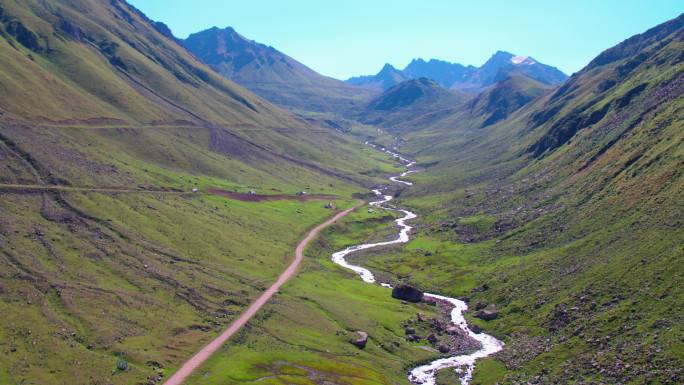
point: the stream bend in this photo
(425, 374)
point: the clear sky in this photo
(343, 38)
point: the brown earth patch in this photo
(273, 197)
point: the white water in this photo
(403, 174)
(403, 237)
(463, 364)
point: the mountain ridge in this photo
(407, 100)
(464, 78)
(271, 73)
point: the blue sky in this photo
(344, 38)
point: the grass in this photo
(148, 278)
(579, 249)
(310, 324)
(125, 272)
(488, 371)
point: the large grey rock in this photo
(407, 293)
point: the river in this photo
(425, 374)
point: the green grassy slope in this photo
(96, 96)
(567, 217)
(506, 97)
(304, 336)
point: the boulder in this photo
(487, 315)
(443, 349)
(432, 339)
(475, 329)
(361, 341)
(413, 338)
(409, 330)
(407, 293)
(437, 325)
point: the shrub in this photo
(121, 364)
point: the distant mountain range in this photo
(465, 78)
(271, 73)
(289, 83)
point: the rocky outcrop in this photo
(407, 293)
(361, 341)
(487, 315)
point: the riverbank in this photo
(463, 364)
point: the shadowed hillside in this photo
(506, 97)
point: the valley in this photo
(210, 210)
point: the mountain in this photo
(383, 80)
(407, 100)
(505, 97)
(502, 64)
(443, 72)
(565, 216)
(410, 93)
(557, 209)
(464, 78)
(270, 73)
(117, 262)
(452, 109)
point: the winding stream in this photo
(425, 374)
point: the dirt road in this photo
(23, 188)
(200, 357)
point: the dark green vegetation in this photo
(272, 74)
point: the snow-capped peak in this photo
(517, 60)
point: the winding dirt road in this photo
(200, 357)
